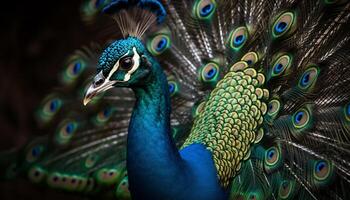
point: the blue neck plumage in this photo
(156, 169)
(152, 157)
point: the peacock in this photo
(200, 99)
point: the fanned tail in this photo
(301, 47)
(82, 148)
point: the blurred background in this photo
(36, 37)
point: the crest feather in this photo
(135, 17)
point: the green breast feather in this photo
(230, 120)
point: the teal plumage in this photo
(255, 94)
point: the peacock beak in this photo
(89, 95)
(99, 85)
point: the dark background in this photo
(36, 37)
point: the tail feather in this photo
(301, 48)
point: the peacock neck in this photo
(151, 154)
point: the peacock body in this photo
(211, 100)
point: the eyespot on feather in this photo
(91, 161)
(103, 116)
(322, 172)
(347, 112)
(286, 189)
(122, 191)
(174, 88)
(272, 158)
(204, 9)
(209, 74)
(251, 58)
(284, 24)
(48, 109)
(108, 176)
(54, 180)
(301, 118)
(198, 108)
(308, 78)
(281, 65)
(91, 8)
(65, 131)
(238, 37)
(37, 174)
(73, 68)
(34, 152)
(158, 44)
(273, 107)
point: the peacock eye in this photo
(204, 9)
(251, 58)
(107, 176)
(238, 37)
(34, 153)
(321, 169)
(158, 44)
(301, 118)
(66, 131)
(271, 155)
(308, 78)
(322, 172)
(198, 108)
(283, 24)
(273, 107)
(49, 108)
(209, 72)
(347, 112)
(173, 87)
(281, 64)
(126, 63)
(286, 189)
(103, 116)
(91, 160)
(36, 174)
(99, 3)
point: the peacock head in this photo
(125, 63)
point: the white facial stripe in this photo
(136, 59)
(115, 67)
(109, 83)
